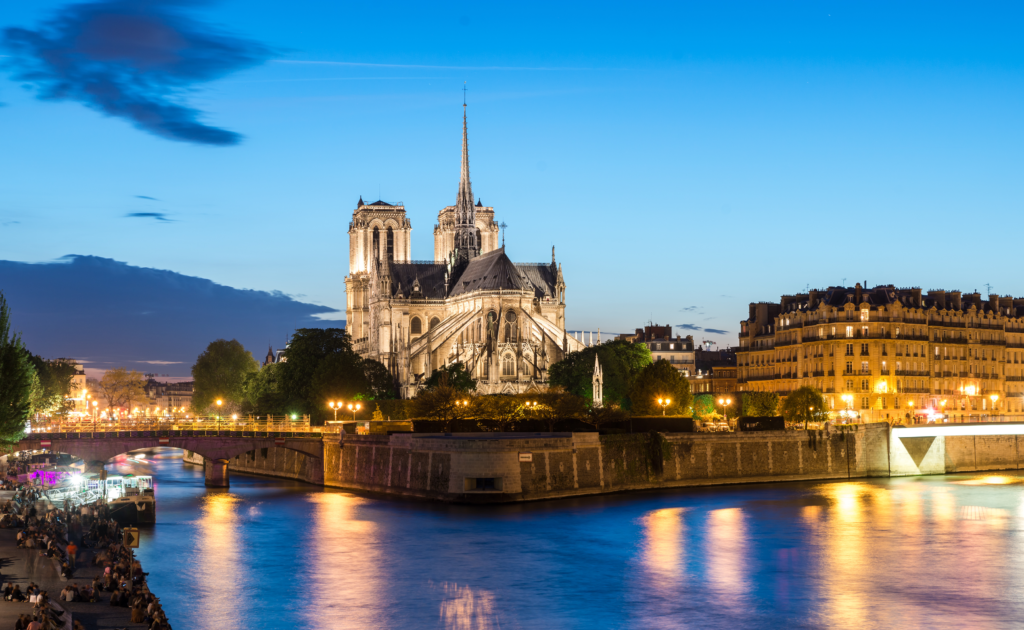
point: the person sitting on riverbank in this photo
(17, 595)
(8, 590)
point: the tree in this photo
(16, 375)
(264, 394)
(444, 403)
(552, 406)
(703, 405)
(621, 362)
(380, 383)
(805, 405)
(322, 366)
(56, 386)
(505, 411)
(660, 380)
(759, 404)
(220, 373)
(456, 375)
(121, 387)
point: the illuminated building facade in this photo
(471, 304)
(889, 353)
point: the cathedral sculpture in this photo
(505, 321)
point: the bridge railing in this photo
(188, 424)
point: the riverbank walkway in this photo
(22, 566)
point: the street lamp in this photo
(664, 402)
(810, 411)
(994, 398)
(354, 409)
(335, 407)
(95, 412)
(725, 402)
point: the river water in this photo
(925, 552)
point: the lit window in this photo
(849, 331)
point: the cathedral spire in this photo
(466, 246)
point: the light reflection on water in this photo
(931, 552)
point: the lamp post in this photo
(725, 402)
(664, 402)
(810, 410)
(994, 398)
(354, 408)
(95, 412)
(219, 403)
(335, 407)
(913, 418)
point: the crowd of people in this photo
(53, 531)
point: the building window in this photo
(864, 385)
(849, 332)
(849, 349)
(863, 348)
(391, 245)
(864, 369)
(864, 404)
(849, 367)
(434, 323)
(508, 365)
(863, 314)
(416, 326)
(849, 385)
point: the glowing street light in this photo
(725, 402)
(664, 402)
(335, 407)
(354, 408)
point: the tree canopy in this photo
(220, 373)
(759, 404)
(16, 380)
(806, 404)
(457, 376)
(121, 388)
(621, 362)
(660, 380)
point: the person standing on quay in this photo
(72, 550)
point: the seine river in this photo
(926, 552)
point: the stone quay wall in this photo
(514, 467)
(937, 455)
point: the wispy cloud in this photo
(6, 223)
(159, 216)
(357, 64)
(689, 327)
(146, 198)
(161, 362)
(716, 331)
(132, 59)
(688, 309)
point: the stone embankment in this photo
(509, 467)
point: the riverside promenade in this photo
(22, 566)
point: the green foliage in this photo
(54, 386)
(703, 405)
(805, 405)
(264, 393)
(396, 409)
(380, 383)
(16, 379)
(444, 403)
(504, 411)
(759, 404)
(621, 362)
(220, 372)
(121, 388)
(457, 375)
(321, 366)
(659, 380)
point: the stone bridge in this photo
(216, 447)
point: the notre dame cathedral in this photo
(505, 321)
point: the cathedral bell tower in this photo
(466, 245)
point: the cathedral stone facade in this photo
(471, 304)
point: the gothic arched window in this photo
(391, 245)
(508, 365)
(376, 243)
(416, 325)
(434, 322)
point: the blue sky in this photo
(684, 158)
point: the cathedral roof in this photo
(490, 272)
(429, 277)
(541, 276)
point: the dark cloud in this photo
(145, 197)
(159, 216)
(184, 313)
(133, 59)
(688, 308)
(689, 327)
(716, 331)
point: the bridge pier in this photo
(216, 473)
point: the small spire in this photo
(361, 204)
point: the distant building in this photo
(716, 372)
(273, 356)
(163, 396)
(890, 353)
(676, 350)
